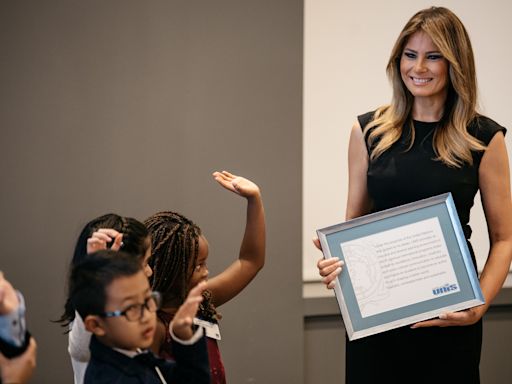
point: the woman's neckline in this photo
(425, 122)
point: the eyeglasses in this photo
(135, 312)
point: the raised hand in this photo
(99, 240)
(237, 184)
(251, 257)
(181, 324)
(8, 297)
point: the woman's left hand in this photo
(453, 319)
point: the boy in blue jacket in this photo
(112, 294)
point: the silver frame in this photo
(452, 218)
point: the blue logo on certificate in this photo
(447, 288)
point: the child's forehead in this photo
(126, 287)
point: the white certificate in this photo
(399, 267)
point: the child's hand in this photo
(181, 325)
(8, 297)
(20, 368)
(99, 239)
(237, 184)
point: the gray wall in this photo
(128, 106)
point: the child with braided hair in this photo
(109, 231)
(179, 255)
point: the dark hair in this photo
(174, 250)
(90, 278)
(135, 244)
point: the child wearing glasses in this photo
(112, 295)
(107, 231)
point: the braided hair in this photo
(175, 248)
(135, 244)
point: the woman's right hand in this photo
(329, 269)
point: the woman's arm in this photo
(496, 199)
(358, 201)
(494, 185)
(251, 259)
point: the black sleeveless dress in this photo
(400, 176)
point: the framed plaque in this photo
(402, 265)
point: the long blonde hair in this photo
(452, 143)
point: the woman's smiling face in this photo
(423, 68)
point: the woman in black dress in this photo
(430, 140)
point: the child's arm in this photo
(78, 340)
(189, 349)
(18, 369)
(12, 315)
(180, 327)
(181, 324)
(251, 259)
